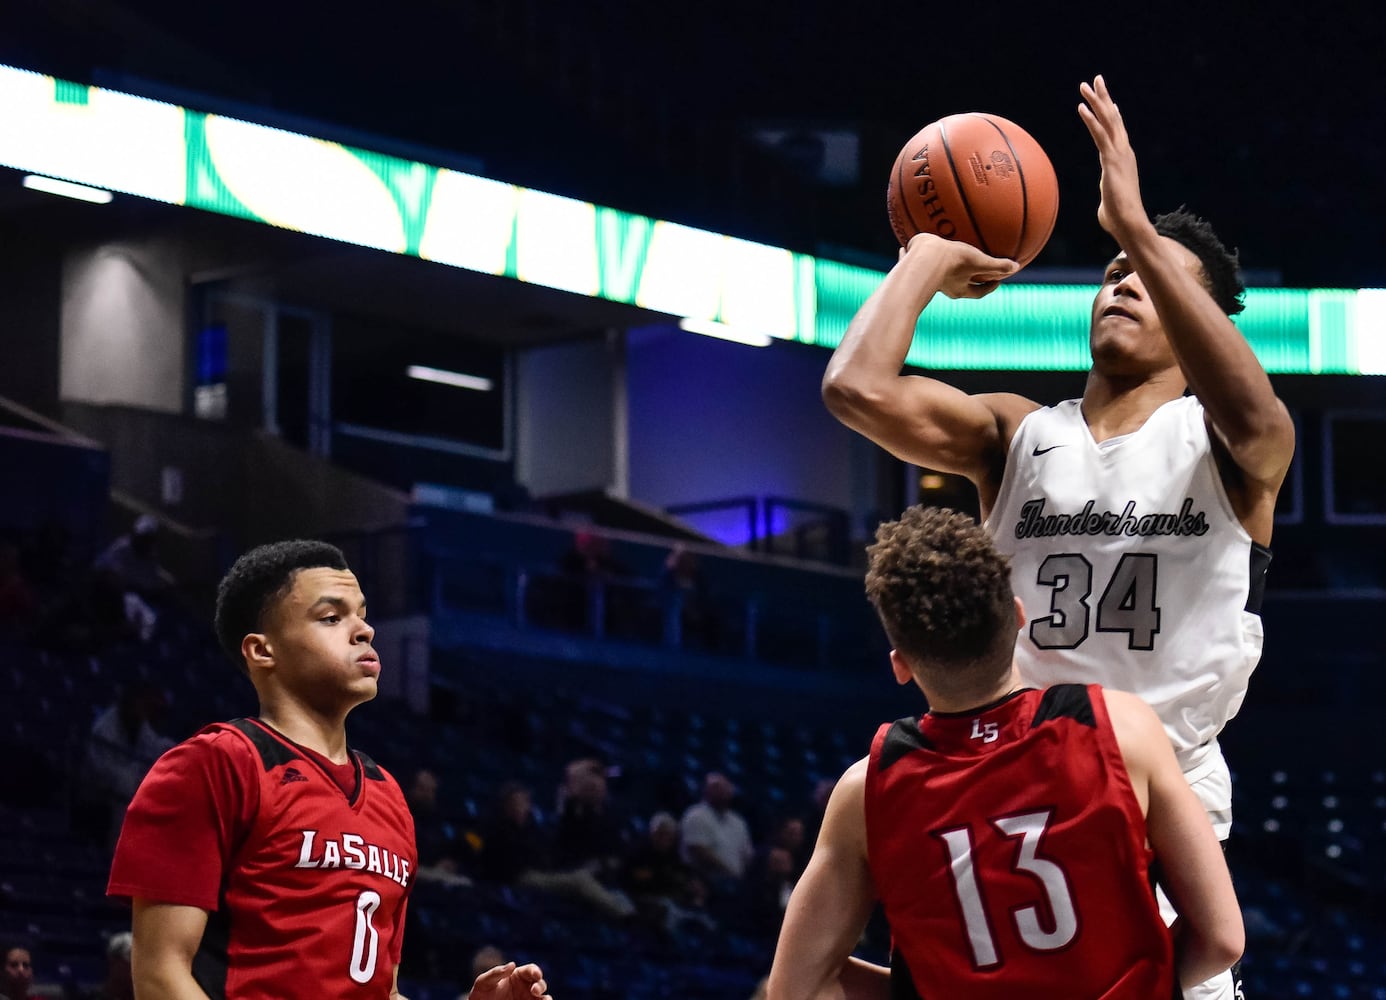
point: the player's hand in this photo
(1120, 209)
(510, 982)
(968, 273)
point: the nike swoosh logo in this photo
(1045, 451)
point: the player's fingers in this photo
(984, 265)
(492, 977)
(1100, 103)
(979, 289)
(1095, 128)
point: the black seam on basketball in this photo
(957, 182)
(903, 200)
(1024, 190)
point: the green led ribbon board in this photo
(219, 164)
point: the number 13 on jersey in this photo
(1058, 911)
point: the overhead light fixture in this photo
(711, 328)
(51, 185)
(442, 376)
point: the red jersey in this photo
(306, 886)
(1008, 851)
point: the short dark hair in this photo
(1221, 267)
(260, 578)
(944, 596)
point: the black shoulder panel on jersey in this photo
(901, 982)
(1260, 564)
(272, 752)
(369, 767)
(903, 738)
(1065, 701)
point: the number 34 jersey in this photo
(306, 887)
(1007, 848)
(1134, 570)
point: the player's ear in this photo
(1020, 618)
(256, 651)
(901, 669)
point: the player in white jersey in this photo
(1138, 519)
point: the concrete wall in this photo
(122, 320)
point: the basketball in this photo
(977, 178)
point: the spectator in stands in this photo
(589, 835)
(18, 603)
(515, 851)
(586, 568)
(769, 883)
(487, 957)
(590, 558)
(17, 975)
(119, 983)
(685, 589)
(484, 959)
(716, 839)
(121, 747)
(133, 561)
(789, 836)
(665, 889)
(128, 572)
(770, 879)
(440, 855)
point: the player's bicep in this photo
(165, 939)
(930, 423)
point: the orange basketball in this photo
(977, 178)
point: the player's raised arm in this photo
(1216, 359)
(164, 940)
(1210, 935)
(829, 908)
(919, 419)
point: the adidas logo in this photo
(292, 774)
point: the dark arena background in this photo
(428, 280)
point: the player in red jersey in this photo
(264, 857)
(1008, 833)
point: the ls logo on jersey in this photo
(352, 851)
(1035, 523)
(987, 732)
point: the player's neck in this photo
(308, 728)
(1117, 405)
(956, 702)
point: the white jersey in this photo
(1134, 571)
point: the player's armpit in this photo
(165, 940)
(830, 905)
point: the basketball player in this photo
(264, 857)
(1005, 831)
(1138, 518)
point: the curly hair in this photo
(1221, 268)
(258, 580)
(943, 593)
